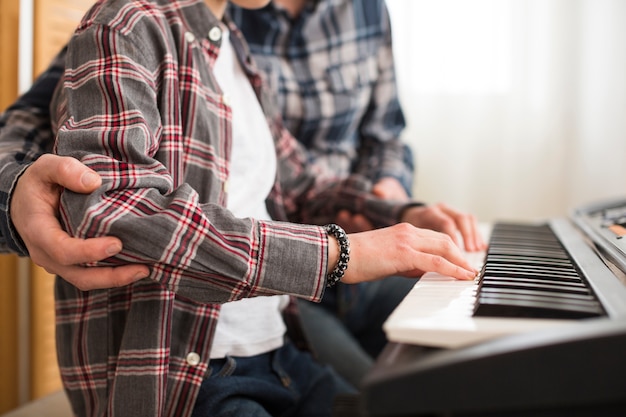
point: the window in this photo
(453, 46)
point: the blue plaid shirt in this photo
(333, 69)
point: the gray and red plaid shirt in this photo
(140, 105)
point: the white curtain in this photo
(516, 109)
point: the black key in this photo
(528, 273)
(533, 307)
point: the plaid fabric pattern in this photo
(334, 73)
(139, 105)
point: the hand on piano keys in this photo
(402, 250)
(527, 282)
(428, 239)
(461, 227)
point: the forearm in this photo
(200, 251)
(392, 159)
(25, 134)
(10, 242)
(308, 194)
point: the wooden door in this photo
(54, 23)
(9, 16)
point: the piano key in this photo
(512, 280)
(512, 284)
(522, 306)
(527, 243)
(537, 265)
(529, 252)
(538, 270)
(493, 258)
(540, 294)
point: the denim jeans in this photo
(285, 382)
(345, 329)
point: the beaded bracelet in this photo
(344, 254)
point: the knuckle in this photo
(66, 167)
(437, 262)
(404, 234)
(120, 281)
(447, 244)
(405, 228)
(43, 160)
(448, 223)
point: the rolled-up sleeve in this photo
(127, 112)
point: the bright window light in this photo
(453, 46)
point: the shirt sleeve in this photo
(382, 153)
(118, 113)
(25, 134)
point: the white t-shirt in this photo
(250, 326)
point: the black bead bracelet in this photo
(344, 254)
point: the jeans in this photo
(285, 382)
(345, 329)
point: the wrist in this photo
(405, 213)
(338, 253)
(8, 229)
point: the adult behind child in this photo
(341, 314)
(144, 348)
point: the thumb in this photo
(67, 172)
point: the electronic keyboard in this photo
(540, 331)
(533, 276)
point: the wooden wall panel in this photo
(8, 333)
(55, 21)
(9, 392)
(9, 17)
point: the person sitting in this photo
(171, 149)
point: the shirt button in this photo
(190, 37)
(225, 186)
(193, 359)
(226, 99)
(215, 34)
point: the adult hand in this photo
(405, 250)
(442, 218)
(34, 209)
(387, 188)
(353, 223)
